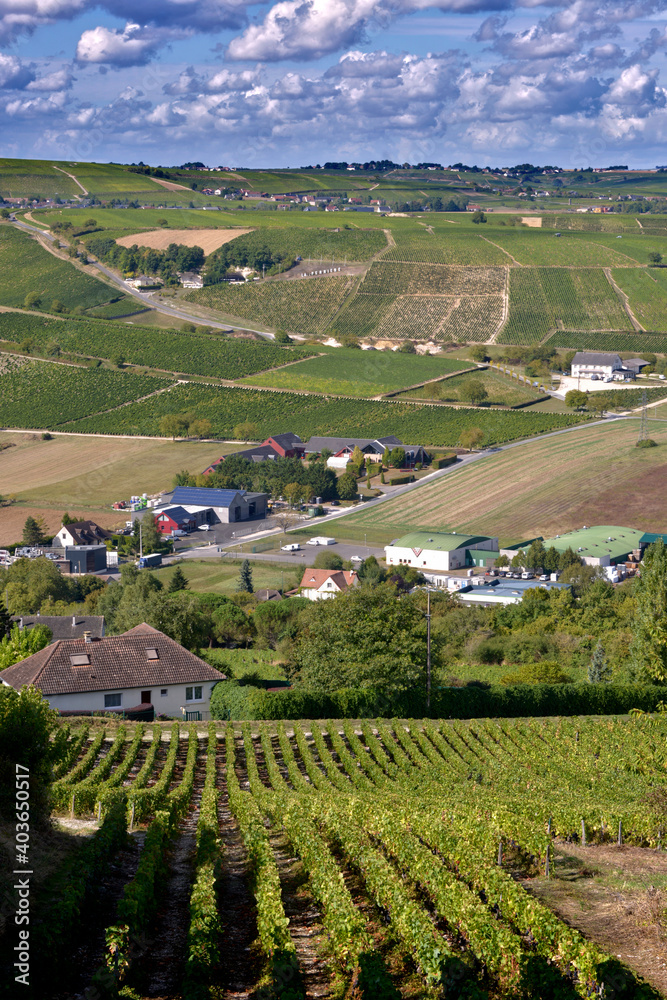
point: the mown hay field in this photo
(159, 239)
(546, 487)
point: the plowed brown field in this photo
(159, 239)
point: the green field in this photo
(502, 391)
(25, 266)
(358, 373)
(445, 245)
(647, 293)
(542, 248)
(32, 178)
(42, 394)
(275, 412)
(221, 576)
(545, 487)
(543, 299)
(654, 343)
(166, 350)
(306, 305)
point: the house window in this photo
(163, 692)
(193, 693)
(152, 654)
(112, 700)
(80, 660)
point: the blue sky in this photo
(301, 81)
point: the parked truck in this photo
(154, 559)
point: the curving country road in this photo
(158, 306)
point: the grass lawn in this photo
(502, 390)
(594, 475)
(358, 373)
(81, 472)
(221, 576)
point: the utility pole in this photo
(643, 427)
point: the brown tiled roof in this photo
(87, 532)
(313, 579)
(118, 661)
(65, 626)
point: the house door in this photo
(145, 698)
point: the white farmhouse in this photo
(142, 667)
(320, 584)
(601, 363)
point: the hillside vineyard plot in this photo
(395, 828)
(40, 394)
(25, 266)
(166, 350)
(305, 305)
(546, 298)
(308, 415)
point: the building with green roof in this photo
(604, 544)
(441, 551)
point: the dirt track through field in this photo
(159, 239)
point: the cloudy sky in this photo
(569, 82)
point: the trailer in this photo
(154, 559)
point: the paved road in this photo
(157, 305)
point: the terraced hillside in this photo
(384, 858)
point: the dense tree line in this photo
(273, 477)
(165, 264)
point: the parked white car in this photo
(293, 547)
(204, 527)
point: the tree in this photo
(174, 425)
(245, 578)
(397, 458)
(29, 737)
(295, 494)
(282, 337)
(536, 555)
(478, 353)
(200, 428)
(358, 458)
(117, 359)
(6, 623)
(231, 625)
(599, 671)
(478, 217)
(246, 431)
(655, 257)
(648, 650)
(19, 643)
(33, 531)
(328, 560)
(179, 581)
(502, 561)
(363, 638)
(576, 399)
(347, 487)
(90, 223)
(473, 391)
(66, 519)
(57, 306)
(285, 519)
(471, 437)
(407, 347)
(32, 300)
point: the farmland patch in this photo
(159, 239)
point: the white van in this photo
(292, 547)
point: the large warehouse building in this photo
(441, 551)
(602, 544)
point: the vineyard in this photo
(445, 245)
(415, 279)
(310, 243)
(356, 373)
(167, 350)
(386, 859)
(41, 394)
(299, 306)
(647, 292)
(544, 298)
(318, 415)
(25, 267)
(592, 223)
(541, 248)
(655, 343)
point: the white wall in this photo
(169, 704)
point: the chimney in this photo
(87, 637)
(73, 620)
(20, 622)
